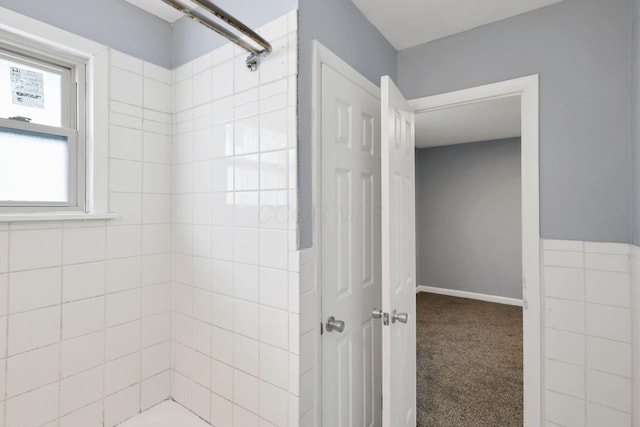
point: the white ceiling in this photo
(407, 23)
(161, 9)
(479, 121)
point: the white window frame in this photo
(93, 125)
(73, 113)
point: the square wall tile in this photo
(82, 281)
(274, 249)
(122, 307)
(222, 379)
(123, 241)
(222, 345)
(246, 319)
(274, 288)
(602, 416)
(121, 406)
(609, 322)
(80, 390)
(564, 410)
(128, 208)
(123, 274)
(564, 315)
(121, 373)
(246, 391)
(30, 290)
(609, 390)
(274, 327)
(274, 366)
(221, 411)
(613, 357)
(155, 389)
(122, 340)
(566, 283)
(32, 370)
(33, 329)
(82, 317)
(19, 410)
(125, 176)
(607, 287)
(32, 249)
(79, 354)
(274, 404)
(125, 143)
(126, 87)
(565, 347)
(83, 245)
(156, 359)
(565, 378)
(246, 353)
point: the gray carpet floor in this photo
(469, 362)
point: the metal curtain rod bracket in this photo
(254, 54)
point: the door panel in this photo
(350, 252)
(398, 258)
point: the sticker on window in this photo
(27, 88)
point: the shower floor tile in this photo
(165, 414)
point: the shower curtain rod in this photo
(255, 54)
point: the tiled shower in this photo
(192, 292)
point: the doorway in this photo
(469, 275)
(398, 120)
(526, 90)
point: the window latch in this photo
(21, 119)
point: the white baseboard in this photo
(469, 295)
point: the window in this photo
(42, 135)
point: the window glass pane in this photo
(30, 91)
(33, 166)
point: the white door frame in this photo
(527, 89)
(322, 55)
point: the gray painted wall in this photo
(341, 27)
(635, 123)
(192, 40)
(114, 23)
(468, 217)
(581, 49)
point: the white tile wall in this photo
(235, 362)
(588, 333)
(84, 306)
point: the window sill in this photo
(54, 216)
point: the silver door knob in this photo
(335, 325)
(400, 317)
(377, 313)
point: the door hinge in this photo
(321, 328)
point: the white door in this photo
(398, 259)
(351, 373)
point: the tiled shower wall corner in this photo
(85, 315)
(236, 293)
(588, 333)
